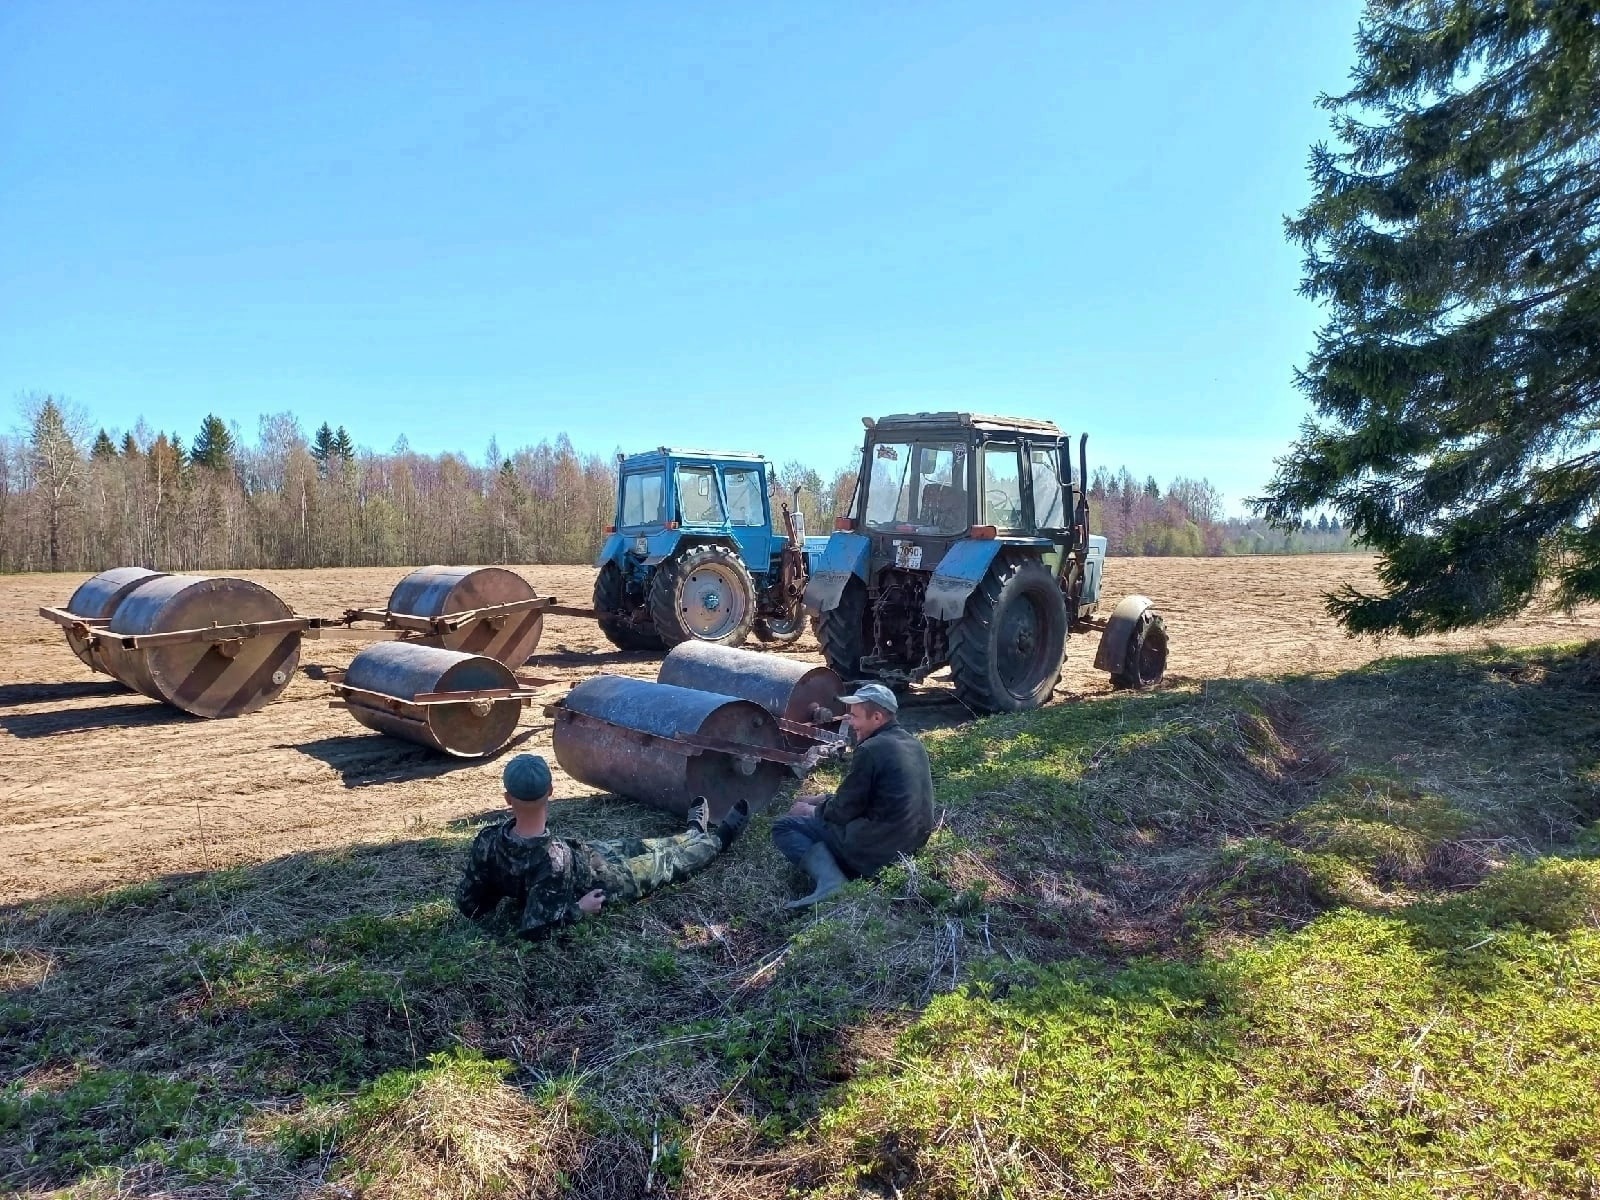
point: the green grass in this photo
(1305, 937)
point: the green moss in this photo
(1337, 1059)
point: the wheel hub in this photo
(711, 604)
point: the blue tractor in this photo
(694, 553)
(968, 546)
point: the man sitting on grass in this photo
(883, 808)
(557, 881)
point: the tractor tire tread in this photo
(976, 686)
(608, 599)
(839, 632)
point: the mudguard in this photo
(846, 555)
(960, 570)
(660, 545)
(1126, 618)
(611, 549)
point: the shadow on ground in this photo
(130, 715)
(13, 694)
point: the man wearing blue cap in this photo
(883, 808)
(556, 881)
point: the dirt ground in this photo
(101, 786)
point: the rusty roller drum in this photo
(405, 670)
(440, 591)
(617, 758)
(207, 679)
(96, 599)
(791, 690)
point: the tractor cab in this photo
(666, 495)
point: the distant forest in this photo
(77, 498)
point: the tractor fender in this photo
(1131, 613)
(611, 550)
(960, 570)
(659, 546)
(844, 556)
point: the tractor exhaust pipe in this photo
(1083, 485)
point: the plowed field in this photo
(100, 786)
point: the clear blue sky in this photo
(737, 225)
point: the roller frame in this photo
(95, 629)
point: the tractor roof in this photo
(968, 420)
(661, 453)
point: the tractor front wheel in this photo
(780, 631)
(609, 602)
(1006, 650)
(704, 594)
(1146, 660)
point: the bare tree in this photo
(58, 432)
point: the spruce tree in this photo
(342, 444)
(213, 448)
(104, 447)
(130, 446)
(322, 446)
(1454, 239)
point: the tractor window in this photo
(918, 487)
(697, 496)
(1002, 487)
(744, 496)
(888, 499)
(1049, 509)
(642, 494)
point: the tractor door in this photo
(749, 519)
(1049, 502)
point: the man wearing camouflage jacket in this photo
(558, 881)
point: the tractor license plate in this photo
(907, 554)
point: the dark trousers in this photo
(794, 836)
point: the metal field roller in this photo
(213, 646)
(474, 610)
(91, 607)
(464, 704)
(664, 745)
(802, 696)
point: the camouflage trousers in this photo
(628, 868)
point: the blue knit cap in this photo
(527, 777)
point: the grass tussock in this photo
(1307, 937)
(452, 1130)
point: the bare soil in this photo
(103, 787)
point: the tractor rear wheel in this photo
(1146, 660)
(609, 602)
(1006, 650)
(842, 632)
(704, 594)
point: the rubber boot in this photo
(819, 863)
(732, 824)
(700, 815)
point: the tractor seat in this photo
(943, 506)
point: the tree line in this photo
(75, 501)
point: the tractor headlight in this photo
(641, 546)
